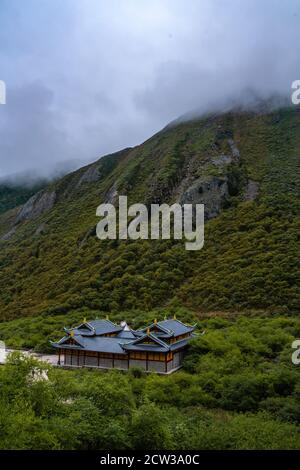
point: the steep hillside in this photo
(13, 195)
(243, 165)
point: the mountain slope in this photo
(243, 165)
(12, 195)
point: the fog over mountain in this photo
(45, 175)
(88, 78)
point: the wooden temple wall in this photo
(109, 361)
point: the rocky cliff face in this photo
(216, 184)
(37, 205)
(63, 190)
(212, 192)
(15, 193)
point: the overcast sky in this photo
(88, 77)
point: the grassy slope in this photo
(251, 250)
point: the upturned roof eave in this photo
(144, 348)
(138, 341)
(160, 327)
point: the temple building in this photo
(102, 344)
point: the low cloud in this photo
(88, 78)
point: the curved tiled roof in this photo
(90, 336)
(95, 327)
(176, 326)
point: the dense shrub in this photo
(241, 394)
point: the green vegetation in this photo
(14, 195)
(251, 254)
(238, 390)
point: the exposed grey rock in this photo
(8, 235)
(90, 233)
(235, 151)
(251, 191)
(111, 194)
(221, 160)
(211, 191)
(41, 202)
(91, 175)
(40, 230)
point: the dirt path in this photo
(50, 358)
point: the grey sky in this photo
(88, 77)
